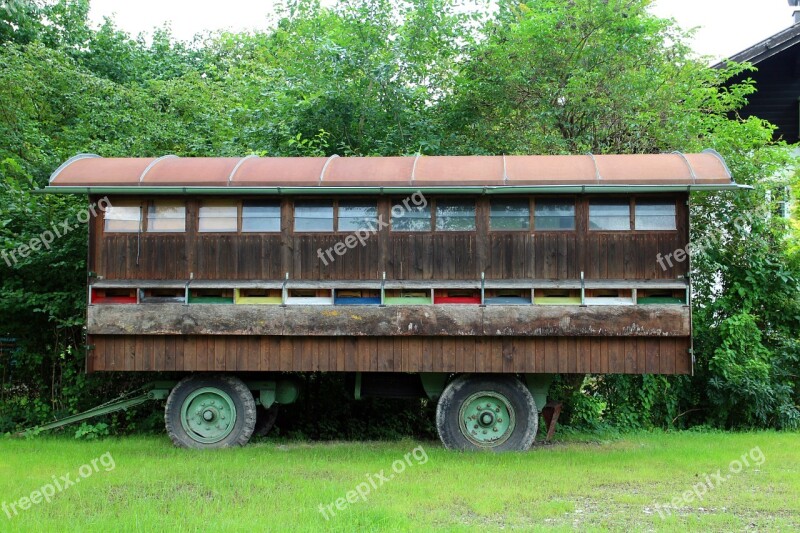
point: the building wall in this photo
(778, 89)
(413, 256)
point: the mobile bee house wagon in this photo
(470, 280)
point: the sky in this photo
(725, 27)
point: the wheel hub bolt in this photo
(208, 416)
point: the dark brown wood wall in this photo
(413, 256)
(619, 355)
(778, 85)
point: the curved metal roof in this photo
(704, 170)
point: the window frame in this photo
(565, 199)
(672, 200)
(336, 214)
(431, 218)
(153, 203)
(529, 229)
(589, 201)
(435, 217)
(237, 204)
(335, 202)
(142, 217)
(312, 200)
(632, 202)
(241, 202)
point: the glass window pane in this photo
(261, 216)
(455, 215)
(509, 215)
(354, 216)
(123, 219)
(407, 217)
(218, 217)
(655, 215)
(613, 215)
(166, 217)
(313, 216)
(554, 215)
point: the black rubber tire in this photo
(518, 396)
(265, 420)
(243, 400)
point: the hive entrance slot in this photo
(456, 296)
(508, 297)
(162, 296)
(609, 297)
(257, 296)
(357, 297)
(557, 297)
(408, 297)
(211, 296)
(309, 297)
(113, 296)
(661, 296)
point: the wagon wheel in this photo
(265, 420)
(487, 413)
(210, 412)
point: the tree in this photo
(585, 76)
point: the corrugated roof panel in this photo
(459, 170)
(112, 171)
(709, 168)
(642, 169)
(203, 171)
(279, 172)
(367, 171)
(550, 169)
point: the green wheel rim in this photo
(487, 419)
(208, 415)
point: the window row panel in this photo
(442, 215)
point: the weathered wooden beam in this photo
(444, 320)
(394, 284)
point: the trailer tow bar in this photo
(150, 392)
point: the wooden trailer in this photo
(472, 280)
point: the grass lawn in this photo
(144, 484)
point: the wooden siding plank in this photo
(189, 361)
(631, 362)
(683, 364)
(652, 348)
(216, 354)
(668, 351)
(169, 353)
(584, 363)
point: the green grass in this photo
(581, 483)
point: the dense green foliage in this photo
(387, 77)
